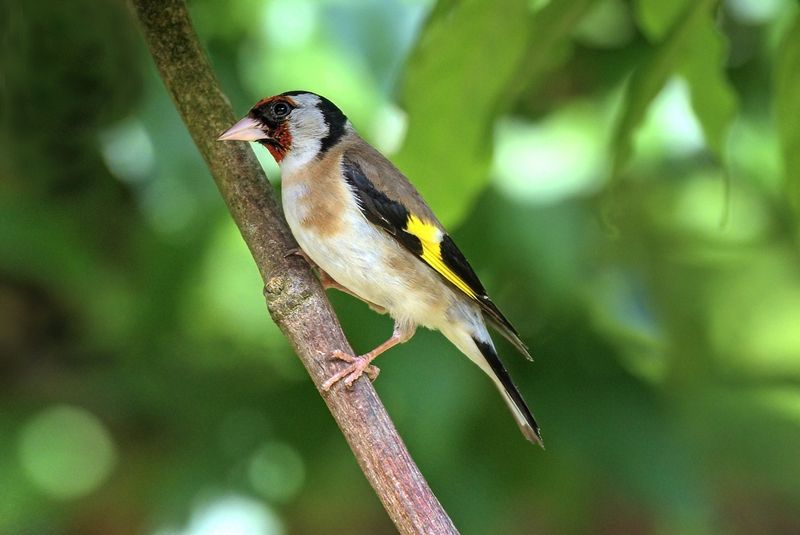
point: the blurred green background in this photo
(620, 173)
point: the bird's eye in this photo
(281, 109)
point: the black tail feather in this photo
(525, 420)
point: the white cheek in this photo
(307, 129)
(301, 152)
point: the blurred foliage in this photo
(143, 388)
(787, 107)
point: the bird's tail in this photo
(482, 352)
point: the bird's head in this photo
(296, 124)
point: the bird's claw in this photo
(358, 366)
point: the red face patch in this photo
(275, 125)
(280, 142)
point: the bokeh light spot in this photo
(756, 11)
(128, 151)
(671, 126)
(389, 129)
(289, 23)
(276, 471)
(231, 515)
(66, 451)
(550, 160)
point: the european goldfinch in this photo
(364, 226)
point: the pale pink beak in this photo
(245, 130)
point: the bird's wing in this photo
(414, 226)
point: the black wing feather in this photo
(379, 209)
(393, 217)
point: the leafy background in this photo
(624, 176)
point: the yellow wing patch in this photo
(430, 237)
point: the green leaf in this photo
(703, 66)
(549, 32)
(455, 80)
(713, 99)
(469, 65)
(787, 109)
(648, 80)
(656, 17)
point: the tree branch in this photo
(295, 299)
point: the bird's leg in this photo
(328, 283)
(362, 364)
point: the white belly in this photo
(366, 260)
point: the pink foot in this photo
(358, 367)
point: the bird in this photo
(367, 231)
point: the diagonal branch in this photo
(295, 299)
